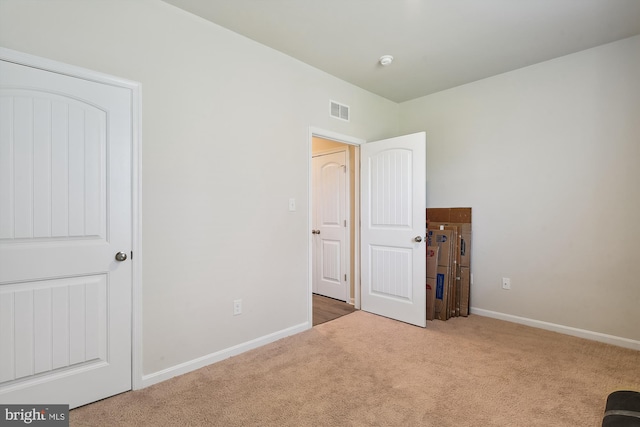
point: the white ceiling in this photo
(437, 44)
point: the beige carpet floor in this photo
(366, 370)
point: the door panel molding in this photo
(330, 212)
(393, 202)
(134, 89)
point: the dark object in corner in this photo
(622, 410)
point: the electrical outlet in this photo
(292, 205)
(506, 283)
(237, 307)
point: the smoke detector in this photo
(385, 60)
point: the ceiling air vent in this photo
(339, 111)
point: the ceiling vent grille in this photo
(339, 111)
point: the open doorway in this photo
(334, 210)
(389, 251)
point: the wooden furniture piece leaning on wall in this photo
(449, 240)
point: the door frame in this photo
(349, 140)
(50, 65)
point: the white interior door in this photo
(330, 225)
(393, 247)
(65, 211)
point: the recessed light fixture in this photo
(385, 60)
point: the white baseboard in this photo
(568, 330)
(203, 361)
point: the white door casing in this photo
(329, 216)
(393, 202)
(65, 211)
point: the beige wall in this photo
(548, 158)
(225, 125)
(321, 144)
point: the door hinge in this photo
(345, 222)
(131, 254)
(345, 277)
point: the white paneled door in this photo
(329, 225)
(65, 212)
(393, 247)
